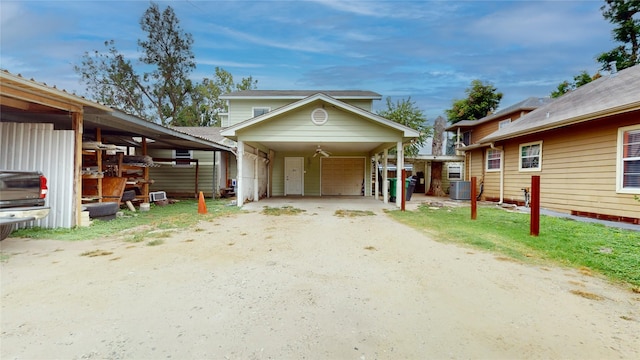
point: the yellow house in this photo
(310, 143)
(585, 146)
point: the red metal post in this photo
(474, 209)
(401, 183)
(535, 205)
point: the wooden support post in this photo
(535, 205)
(402, 186)
(195, 195)
(474, 209)
(145, 172)
(77, 124)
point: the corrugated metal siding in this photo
(39, 147)
(181, 179)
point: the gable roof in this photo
(230, 132)
(528, 104)
(609, 95)
(301, 94)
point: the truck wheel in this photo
(5, 230)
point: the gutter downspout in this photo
(492, 144)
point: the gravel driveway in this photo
(309, 286)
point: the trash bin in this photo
(410, 184)
(392, 189)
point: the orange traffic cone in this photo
(202, 207)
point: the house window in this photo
(504, 123)
(494, 157)
(466, 138)
(257, 111)
(531, 156)
(455, 171)
(183, 157)
(628, 173)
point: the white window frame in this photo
(263, 110)
(620, 159)
(504, 123)
(459, 166)
(499, 158)
(539, 168)
(176, 156)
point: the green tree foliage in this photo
(164, 93)
(625, 15)
(482, 99)
(405, 112)
(168, 49)
(110, 79)
(578, 80)
(206, 104)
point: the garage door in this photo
(342, 176)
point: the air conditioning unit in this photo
(460, 190)
(157, 196)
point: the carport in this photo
(43, 128)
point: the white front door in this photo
(293, 175)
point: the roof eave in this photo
(567, 122)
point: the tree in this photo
(624, 14)
(206, 105)
(111, 80)
(159, 93)
(435, 189)
(578, 80)
(167, 48)
(406, 113)
(165, 92)
(482, 99)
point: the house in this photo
(467, 134)
(47, 129)
(311, 143)
(585, 146)
(185, 172)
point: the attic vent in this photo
(319, 116)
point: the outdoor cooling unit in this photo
(460, 190)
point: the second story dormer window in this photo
(182, 157)
(504, 123)
(465, 139)
(257, 111)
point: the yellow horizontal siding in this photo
(578, 170)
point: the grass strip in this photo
(610, 251)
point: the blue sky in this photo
(429, 51)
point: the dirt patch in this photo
(313, 285)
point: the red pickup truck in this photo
(22, 198)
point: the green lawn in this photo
(612, 252)
(182, 214)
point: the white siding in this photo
(31, 147)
